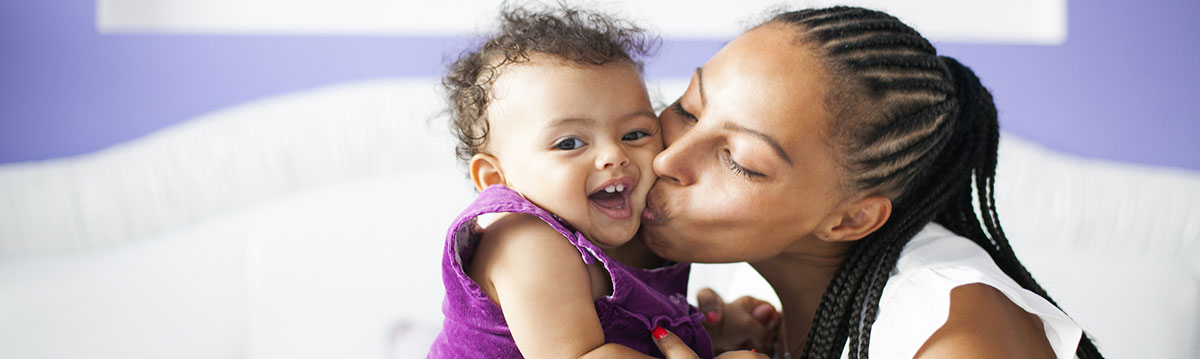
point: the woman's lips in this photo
(648, 216)
(652, 214)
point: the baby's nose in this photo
(611, 157)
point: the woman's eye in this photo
(569, 144)
(687, 116)
(738, 169)
(635, 135)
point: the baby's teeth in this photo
(620, 188)
(610, 189)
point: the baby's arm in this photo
(539, 281)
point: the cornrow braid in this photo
(918, 127)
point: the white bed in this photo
(310, 225)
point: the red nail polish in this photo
(754, 350)
(712, 317)
(659, 333)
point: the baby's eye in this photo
(635, 135)
(569, 144)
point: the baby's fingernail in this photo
(712, 317)
(659, 333)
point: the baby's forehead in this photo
(501, 65)
(549, 120)
(555, 89)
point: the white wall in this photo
(972, 21)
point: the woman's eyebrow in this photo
(766, 138)
(700, 84)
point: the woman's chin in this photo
(652, 238)
(683, 250)
(656, 240)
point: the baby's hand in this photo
(673, 348)
(746, 323)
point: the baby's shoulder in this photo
(517, 245)
(520, 229)
(521, 239)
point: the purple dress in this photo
(641, 299)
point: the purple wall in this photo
(1118, 89)
(1122, 87)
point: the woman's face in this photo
(748, 172)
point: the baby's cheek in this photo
(645, 159)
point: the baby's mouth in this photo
(613, 200)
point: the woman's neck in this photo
(800, 280)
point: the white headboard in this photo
(310, 225)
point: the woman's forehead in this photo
(765, 80)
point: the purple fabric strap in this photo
(641, 300)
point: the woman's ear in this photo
(485, 171)
(857, 220)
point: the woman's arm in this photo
(544, 289)
(984, 323)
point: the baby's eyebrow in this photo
(589, 121)
(640, 113)
(570, 120)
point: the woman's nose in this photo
(612, 157)
(672, 163)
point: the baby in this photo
(558, 134)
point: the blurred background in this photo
(271, 178)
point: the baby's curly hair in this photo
(565, 33)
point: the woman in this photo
(834, 151)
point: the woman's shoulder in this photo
(983, 323)
(916, 300)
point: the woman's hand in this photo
(744, 324)
(673, 348)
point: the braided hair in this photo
(913, 125)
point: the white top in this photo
(916, 300)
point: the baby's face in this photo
(577, 140)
